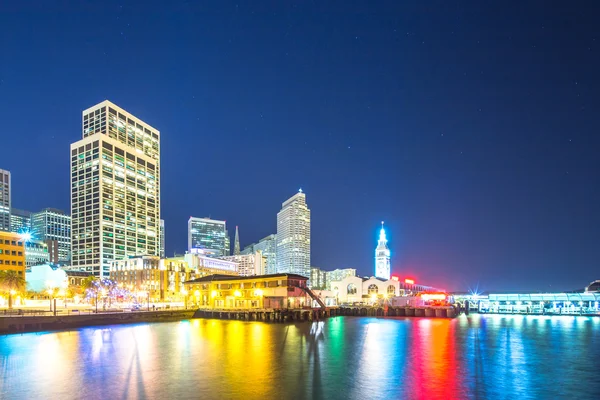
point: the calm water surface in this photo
(479, 357)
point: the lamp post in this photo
(50, 291)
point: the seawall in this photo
(19, 324)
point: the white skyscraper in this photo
(115, 189)
(382, 256)
(293, 236)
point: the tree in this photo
(11, 281)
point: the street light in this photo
(50, 291)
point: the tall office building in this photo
(162, 238)
(115, 189)
(382, 256)
(20, 220)
(52, 225)
(209, 236)
(248, 264)
(236, 244)
(293, 236)
(5, 194)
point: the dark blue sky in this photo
(470, 128)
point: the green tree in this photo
(11, 282)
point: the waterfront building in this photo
(162, 238)
(249, 264)
(75, 279)
(236, 243)
(338, 275)
(382, 256)
(53, 227)
(354, 289)
(5, 204)
(293, 236)
(208, 235)
(593, 287)
(20, 220)
(277, 291)
(36, 253)
(582, 303)
(160, 279)
(115, 189)
(318, 278)
(12, 253)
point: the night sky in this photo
(471, 129)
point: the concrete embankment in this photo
(18, 324)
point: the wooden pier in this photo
(315, 314)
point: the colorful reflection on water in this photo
(341, 358)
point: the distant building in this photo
(382, 257)
(5, 204)
(36, 253)
(318, 279)
(339, 274)
(293, 236)
(209, 265)
(53, 227)
(162, 238)
(115, 189)
(208, 235)
(20, 220)
(278, 291)
(249, 264)
(12, 253)
(268, 247)
(236, 243)
(354, 289)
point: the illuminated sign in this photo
(409, 281)
(395, 278)
(433, 296)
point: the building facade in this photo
(12, 253)
(278, 291)
(36, 253)
(5, 196)
(249, 264)
(236, 242)
(268, 247)
(338, 275)
(354, 289)
(162, 238)
(293, 236)
(20, 220)
(318, 279)
(54, 228)
(382, 257)
(115, 189)
(208, 235)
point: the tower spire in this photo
(236, 245)
(382, 256)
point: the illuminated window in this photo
(352, 288)
(373, 289)
(391, 289)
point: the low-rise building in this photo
(276, 291)
(354, 289)
(46, 276)
(12, 253)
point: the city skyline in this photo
(481, 169)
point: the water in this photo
(479, 357)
